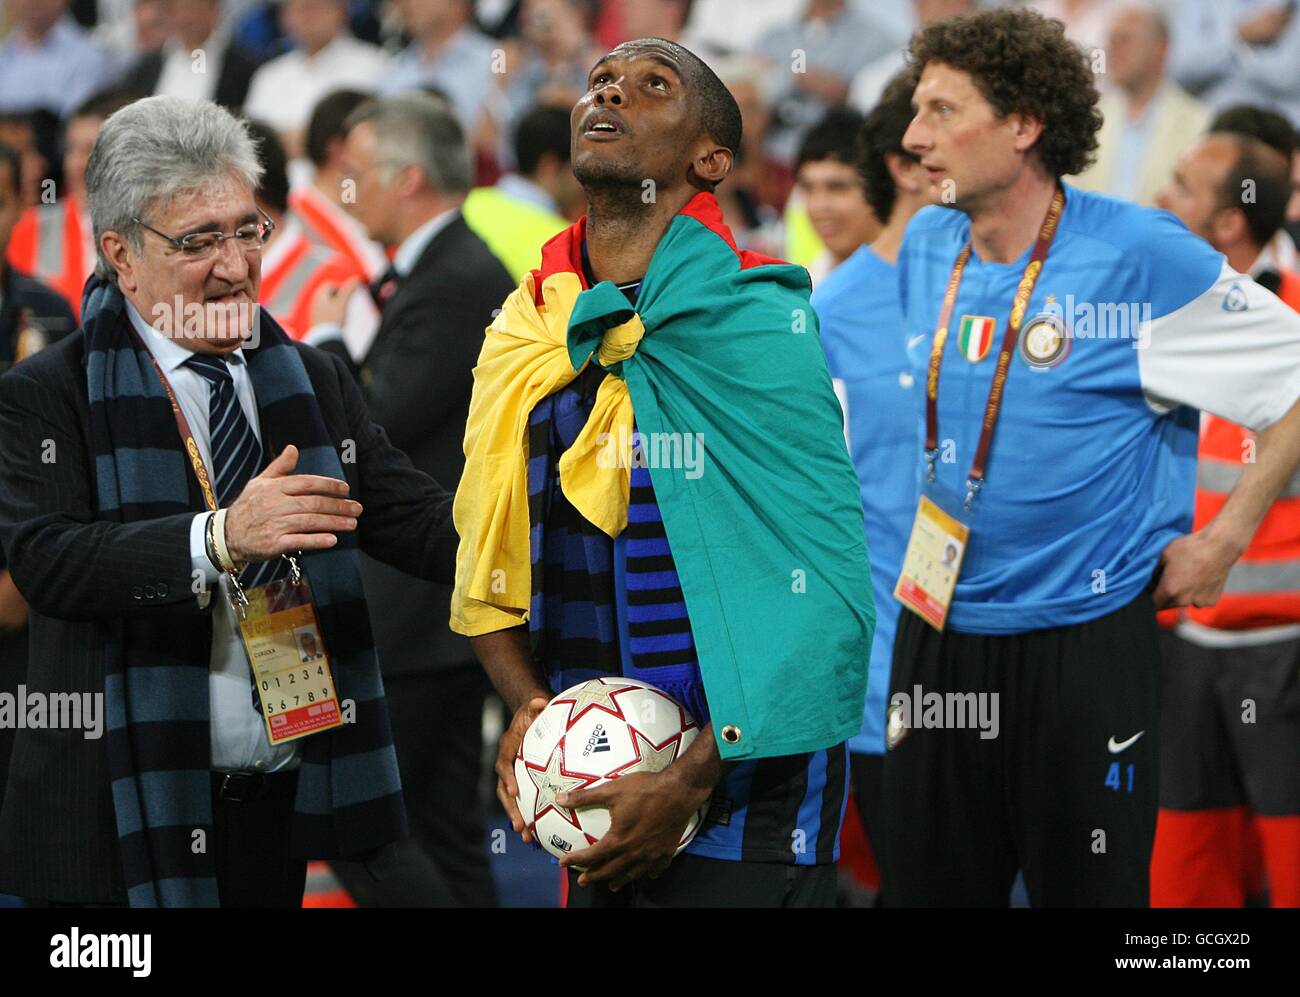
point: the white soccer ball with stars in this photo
(596, 731)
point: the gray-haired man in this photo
(409, 160)
(152, 465)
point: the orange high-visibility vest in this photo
(49, 243)
(290, 285)
(326, 225)
(1263, 588)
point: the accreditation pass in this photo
(932, 563)
(290, 666)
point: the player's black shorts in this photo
(1231, 727)
(1067, 789)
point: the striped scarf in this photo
(349, 799)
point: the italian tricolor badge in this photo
(975, 336)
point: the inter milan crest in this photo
(1044, 341)
(975, 336)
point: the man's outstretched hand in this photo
(280, 513)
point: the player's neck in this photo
(1006, 225)
(623, 231)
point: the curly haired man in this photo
(1060, 432)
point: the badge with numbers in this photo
(932, 562)
(290, 666)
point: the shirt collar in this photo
(414, 245)
(169, 353)
(523, 189)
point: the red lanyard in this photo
(975, 480)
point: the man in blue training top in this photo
(866, 352)
(1028, 726)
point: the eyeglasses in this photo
(201, 245)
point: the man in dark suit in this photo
(109, 525)
(412, 168)
(32, 316)
(199, 60)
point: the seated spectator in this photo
(809, 63)
(48, 62)
(140, 30)
(526, 207)
(832, 190)
(326, 57)
(221, 73)
(869, 84)
(548, 66)
(448, 51)
(1238, 52)
(1148, 120)
(54, 240)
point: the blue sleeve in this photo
(1178, 266)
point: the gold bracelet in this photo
(211, 544)
(219, 539)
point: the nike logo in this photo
(1117, 746)
(914, 340)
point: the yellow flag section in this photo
(525, 359)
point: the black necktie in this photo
(383, 289)
(236, 453)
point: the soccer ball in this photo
(587, 735)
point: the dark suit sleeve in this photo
(422, 375)
(406, 518)
(67, 565)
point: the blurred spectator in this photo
(809, 64)
(48, 62)
(1275, 131)
(1148, 119)
(549, 65)
(326, 57)
(1238, 52)
(870, 82)
(198, 60)
(412, 165)
(735, 26)
(293, 266)
(320, 205)
(526, 207)
(53, 240)
(767, 180)
(1087, 22)
(447, 51)
(139, 28)
(832, 190)
(18, 131)
(757, 187)
(658, 19)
